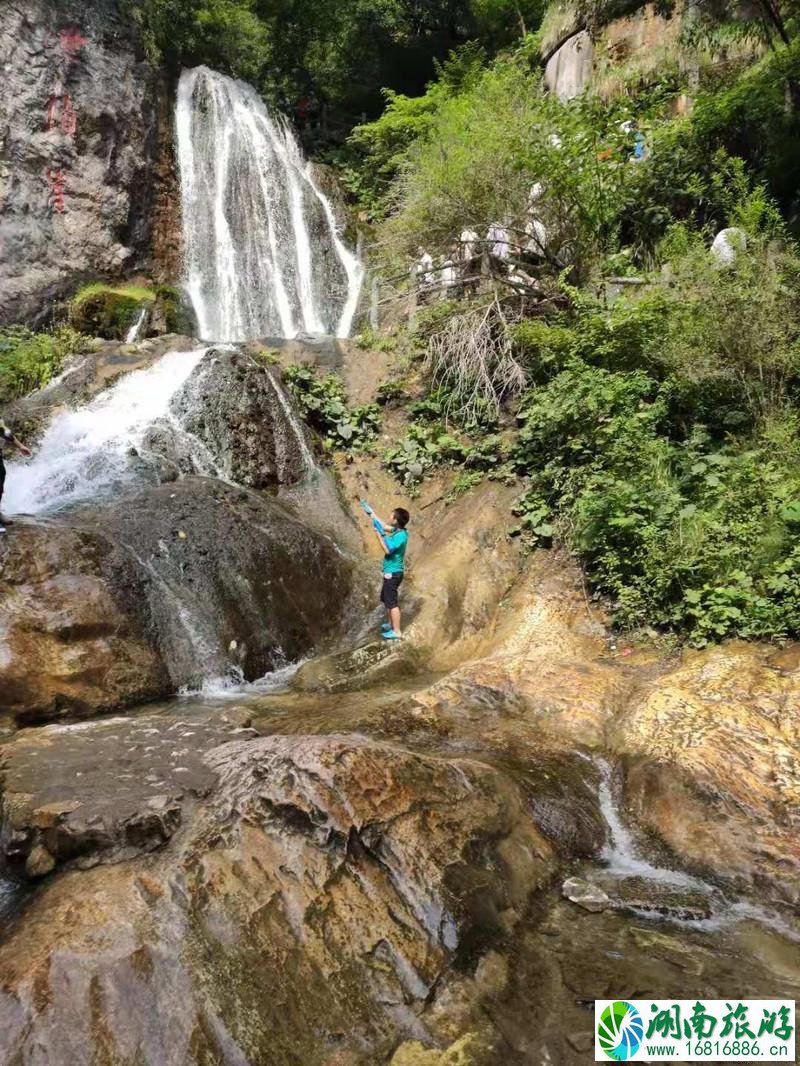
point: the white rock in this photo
(569, 70)
(728, 243)
(585, 894)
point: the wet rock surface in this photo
(373, 663)
(330, 898)
(235, 406)
(103, 791)
(713, 764)
(77, 151)
(586, 895)
(319, 901)
(568, 958)
(158, 591)
(74, 638)
(236, 582)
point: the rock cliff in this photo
(78, 147)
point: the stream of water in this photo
(85, 452)
(136, 328)
(624, 857)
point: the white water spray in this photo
(133, 333)
(86, 452)
(263, 255)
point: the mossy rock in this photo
(105, 311)
(171, 314)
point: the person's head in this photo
(400, 517)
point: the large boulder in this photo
(569, 69)
(236, 407)
(76, 153)
(73, 629)
(329, 892)
(237, 583)
(157, 591)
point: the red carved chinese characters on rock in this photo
(56, 179)
(61, 111)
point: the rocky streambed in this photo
(358, 873)
(436, 853)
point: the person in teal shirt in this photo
(393, 539)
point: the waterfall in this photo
(86, 452)
(263, 255)
(133, 333)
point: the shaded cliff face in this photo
(77, 148)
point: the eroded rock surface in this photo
(317, 905)
(76, 151)
(159, 591)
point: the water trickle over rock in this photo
(141, 577)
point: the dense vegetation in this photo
(327, 61)
(29, 360)
(654, 427)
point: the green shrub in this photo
(391, 392)
(379, 149)
(29, 360)
(431, 444)
(424, 447)
(690, 535)
(323, 404)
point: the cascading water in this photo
(133, 333)
(86, 452)
(263, 256)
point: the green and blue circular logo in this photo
(620, 1030)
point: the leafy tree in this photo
(378, 150)
(225, 34)
(333, 59)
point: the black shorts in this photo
(389, 586)
(2, 476)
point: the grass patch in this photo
(29, 360)
(140, 293)
(109, 310)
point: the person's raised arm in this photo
(21, 447)
(381, 540)
(374, 518)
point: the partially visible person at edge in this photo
(393, 540)
(7, 439)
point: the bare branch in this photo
(472, 357)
